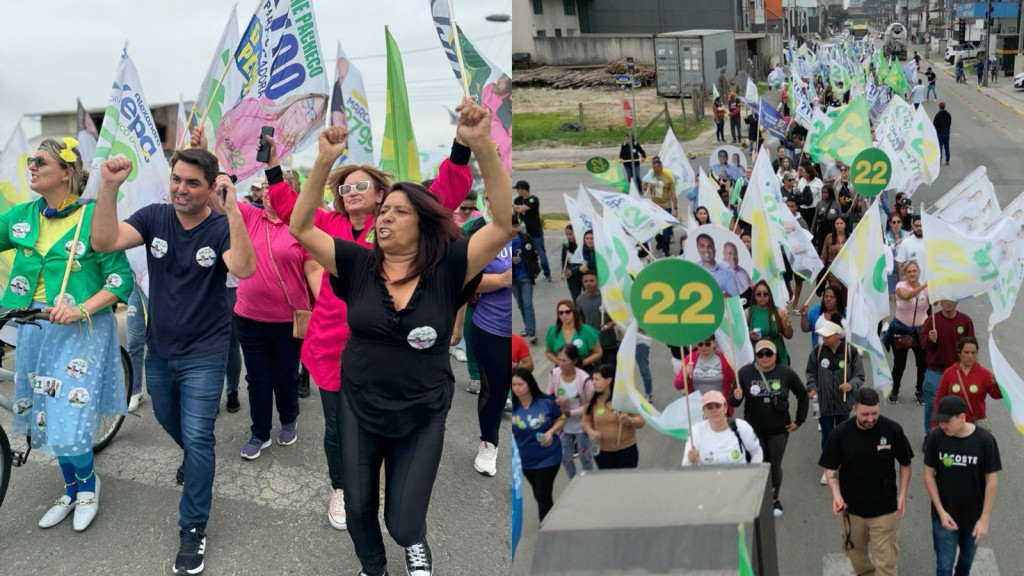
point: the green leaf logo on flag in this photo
(610, 174)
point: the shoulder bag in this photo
(300, 317)
(983, 422)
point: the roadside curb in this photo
(556, 224)
(999, 101)
(547, 165)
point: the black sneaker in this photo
(417, 560)
(777, 506)
(233, 405)
(190, 555)
(919, 398)
(303, 383)
(179, 476)
(894, 398)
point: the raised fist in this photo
(116, 170)
(332, 142)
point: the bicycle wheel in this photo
(109, 425)
(5, 464)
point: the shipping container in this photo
(693, 59)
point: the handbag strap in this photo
(273, 264)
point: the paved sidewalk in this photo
(1002, 92)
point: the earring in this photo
(64, 180)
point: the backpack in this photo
(735, 430)
(529, 256)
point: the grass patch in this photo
(547, 128)
(553, 216)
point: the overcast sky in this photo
(52, 51)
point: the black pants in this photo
(720, 130)
(734, 128)
(494, 356)
(900, 364)
(410, 468)
(542, 480)
(774, 447)
(332, 445)
(625, 458)
(272, 371)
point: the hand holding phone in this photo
(263, 154)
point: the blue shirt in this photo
(726, 278)
(519, 271)
(526, 423)
(493, 311)
(189, 315)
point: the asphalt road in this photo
(984, 133)
(268, 516)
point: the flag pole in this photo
(686, 394)
(458, 51)
(71, 257)
(209, 104)
(188, 122)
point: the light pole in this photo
(985, 47)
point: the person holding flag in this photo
(404, 296)
(76, 352)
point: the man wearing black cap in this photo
(528, 207)
(960, 465)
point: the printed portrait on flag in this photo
(291, 119)
(723, 254)
(727, 160)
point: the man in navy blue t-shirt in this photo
(190, 250)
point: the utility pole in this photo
(985, 47)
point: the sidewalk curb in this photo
(997, 100)
(547, 165)
(556, 224)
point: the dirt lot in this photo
(602, 106)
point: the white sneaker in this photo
(486, 461)
(136, 401)
(336, 510)
(58, 512)
(824, 480)
(458, 353)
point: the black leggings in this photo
(542, 480)
(625, 458)
(332, 441)
(410, 468)
(774, 447)
(900, 364)
(494, 356)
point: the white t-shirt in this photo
(912, 248)
(722, 447)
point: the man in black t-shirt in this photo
(859, 461)
(528, 208)
(190, 250)
(960, 465)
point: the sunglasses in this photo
(895, 222)
(346, 189)
(759, 294)
(560, 312)
(765, 354)
(37, 160)
(705, 343)
(466, 208)
(790, 180)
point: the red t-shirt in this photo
(519, 348)
(972, 387)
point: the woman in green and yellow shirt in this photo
(67, 374)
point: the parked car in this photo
(966, 51)
(1018, 80)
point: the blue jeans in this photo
(931, 92)
(522, 289)
(943, 144)
(138, 309)
(828, 424)
(233, 372)
(929, 388)
(946, 543)
(538, 243)
(643, 355)
(186, 395)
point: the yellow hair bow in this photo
(67, 154)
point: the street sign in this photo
(627, 113)
(927, 37)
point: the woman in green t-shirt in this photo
(570, 329)
(767, 321)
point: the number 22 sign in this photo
(871, 172)
(677, 302)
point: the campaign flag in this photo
(610, 174)
(617, 265)
(772, 121)
(896, 80)
(764, 213)
(862, 333)
(181, 123)
(803, 112)
(641, 218)
(849, 134)
(87, 135)
(865, 260)
(582, 216)
(350, 109)
(283, 86)
(128, 130)
(1007, 246)
(399, 154)
(714, 91)
(959, 266)
(908, 137)
(14, 174)
(674, 159)
(709, 199)
(488, 84)
(1010, 384)
(970, 206)
(751, 96)
(733, 335)
(516, 477)
(820, 122)
(775, 78)
(224, 97)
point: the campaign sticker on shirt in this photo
(600, 411)
(20, 229)
(114, 281)
(959, 329)
(158, 247)
(19, 285)
(842, 363)
(755, 390)
(956, 388)
(41, 421)
(28, 252)
(51, 387)
(518, 422)
(206, 256)
(577, 343)
(78, 397)
(79, 248)
(68, 299)
(825, 363)
(76, 266)
(77, 368)
(422, 338)
(776, 385)
(22, 405)
(370, 236)
(973, 388)
(735, 454)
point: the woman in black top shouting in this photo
(403, 295)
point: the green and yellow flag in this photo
(849, 134)
(399, 154)
(896, 80)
